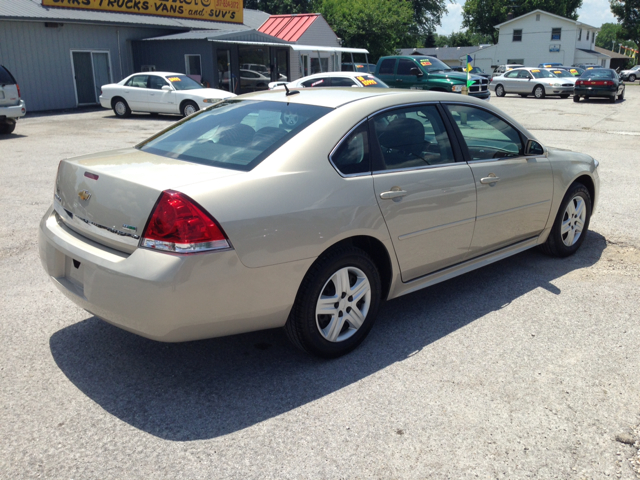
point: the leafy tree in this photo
(611, 35)
(480, 16)
(628, 14)
(380, 26)
(430, 39)
(462, 39)
(427, 14)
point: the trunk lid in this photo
(108, 197)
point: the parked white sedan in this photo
(159, 92)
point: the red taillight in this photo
(606, 83)
(178, 224)
(18, 87)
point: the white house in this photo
(541, 37)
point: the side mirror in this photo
(416, 71)
(167, 88)
(533, 148)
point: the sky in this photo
(593, 12)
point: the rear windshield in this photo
(562, 73)
(542, 73)
(370, 81)
(6, 77)
(182, 82)
(598, 73)
(235, 134)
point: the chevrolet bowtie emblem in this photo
(84, 195)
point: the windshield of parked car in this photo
(182, 82)
(476, 70)
(235, 134)
(599, 73)
(542, 73)
(431, 64)
(370, 81)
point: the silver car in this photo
(525, 81)
(305, 211)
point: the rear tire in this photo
(500, 91)
(539, 92)
(576, 98)
(632, 78)
(7, 128)
(612, 99)
(121, 108)
(345, 285)
(621, 96)
(571, 224)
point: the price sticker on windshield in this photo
(574, 71)
(174, 79)
(535, 71)
(557, 71)
(367, 82)
(425, 63)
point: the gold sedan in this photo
(305, 210)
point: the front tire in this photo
(121, 108)
(500, 91)
(189, 108)
(336, 304)
(539, 92)
(571, 224)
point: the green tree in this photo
(611, 35)
(480, 16)
(380, 26)
(462, 39)
(427, 14)
(628, 14)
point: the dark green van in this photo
(427, 73)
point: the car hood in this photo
(116, 192)
(460, 77)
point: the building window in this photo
(537, 17)
(587, 34)
(192, 65)
(580, 34)
(517, 35)
(556, 33)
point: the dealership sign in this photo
(229, 11)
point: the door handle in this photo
(490, 179)
(392, 194)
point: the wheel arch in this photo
(377, 252)
(589, 184)
(187, 100)
(115, 99)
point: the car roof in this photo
(162, 74)
(333, 74)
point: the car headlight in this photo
(456, 88)
(211, 100)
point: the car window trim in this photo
(463, 143)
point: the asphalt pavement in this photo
(528, 368)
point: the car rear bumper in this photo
(14, 112)
(596, 92)
(167, 297)
(105, 102)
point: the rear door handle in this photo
(392, 194)
(490, 179)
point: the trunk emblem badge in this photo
(129, 227)
(84, 195)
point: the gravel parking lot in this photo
(528, 368)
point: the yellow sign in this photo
(368, 82)
(228, 11)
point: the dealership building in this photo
(61, 56)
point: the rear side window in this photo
(387, 66)
(352, 155)
(139, 81)
(342, 82)
(6, 77)
(234, 134)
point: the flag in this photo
(468, 69)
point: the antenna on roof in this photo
(290, 92)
